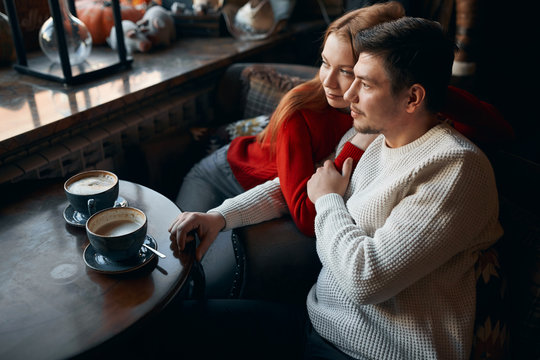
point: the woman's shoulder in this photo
(328, 124)
(324, 122)
(324, 113)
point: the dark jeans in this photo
(238, 329)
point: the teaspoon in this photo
(155, 251)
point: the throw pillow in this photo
(214, 138)
(263, 88)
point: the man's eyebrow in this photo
(366, 78)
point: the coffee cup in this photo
(92, 191)
(117, 233)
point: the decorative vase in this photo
(78, 38)
(7, 49)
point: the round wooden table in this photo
(53, 306)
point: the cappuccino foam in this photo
(91, 185)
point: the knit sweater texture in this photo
(304, 140)
(398, 250)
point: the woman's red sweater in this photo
(305, 139)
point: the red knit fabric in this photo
(305, 139)
(348, 151)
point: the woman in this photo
(303, 130)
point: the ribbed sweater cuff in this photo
(231, 221)
(349, 151)
(329, 201)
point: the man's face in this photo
(373, 106)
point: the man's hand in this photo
(206, 225)
(328, 180)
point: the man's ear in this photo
(416, 97)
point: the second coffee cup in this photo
(117, 233)
(91, 191)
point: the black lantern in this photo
(89, 70)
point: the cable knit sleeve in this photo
(405, 227)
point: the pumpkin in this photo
(98, 17)
(139, 3)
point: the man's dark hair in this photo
(414, 51)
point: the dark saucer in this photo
(76, 218)
(101, 264)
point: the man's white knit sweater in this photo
(398, 250)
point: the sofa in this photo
(274, 261)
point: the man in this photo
(399, 242)
(397, 237)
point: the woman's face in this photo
(336, 72)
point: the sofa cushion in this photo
(263, 87)
(246, 127)
(214, 138)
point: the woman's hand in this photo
(328, 180)
(206, 225)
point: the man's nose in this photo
(351, 95)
